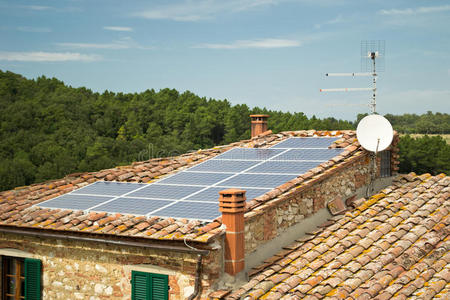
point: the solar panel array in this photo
(194, 192)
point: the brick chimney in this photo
(232, 207)
(259, 124)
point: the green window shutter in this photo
(32, 279)
(148, 286)
(140, 286)
(160, 284)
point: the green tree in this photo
(424, 155)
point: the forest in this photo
(49, 129)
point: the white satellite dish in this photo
(374, 133)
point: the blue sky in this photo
(270, 53)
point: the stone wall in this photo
(273, 218)
(86, 270)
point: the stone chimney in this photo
(259, 124)
(232, 207)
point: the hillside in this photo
(49, 129)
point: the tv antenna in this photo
(372, 57)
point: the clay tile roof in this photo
(396, 245)
(17, 206)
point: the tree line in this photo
(429, 123)
(49, 129)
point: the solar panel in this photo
(212, 194)
(217, 165)
(74, 202)
(309, 154)
(284, 167)
(193, 178)
(257, 180)
(249, 154)
(190, 210)
(133, 205)
(194, 192)
(109, 188)
(306, 142)
(162, 191)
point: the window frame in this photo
(19, 289)
(28, 277)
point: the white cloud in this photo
(117, 28)
(34, 29)
(47, 56)
(258, 43)
(113, 45)
(40, 8)
(124, 43)
(415, 11)
(191, 11)
(36, 7)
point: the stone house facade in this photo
(73, 254)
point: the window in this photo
(21, 278)
(385, 164)
(149, 286)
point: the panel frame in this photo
(214, 159)
(277, 146)
(82, 190)
(43, 203)
(221, 156)
(292, 176)
(151, 200)
(313, 159)
(219, 188)
(173, 205)
(182, 173)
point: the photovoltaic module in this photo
(194, 192)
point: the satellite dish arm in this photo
(378, 143)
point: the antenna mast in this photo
(373, 104)
(372, 50)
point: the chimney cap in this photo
(259, 116)
(232, 191)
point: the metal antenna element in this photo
(370, 52)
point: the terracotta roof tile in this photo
(16, 206)
(385, 248)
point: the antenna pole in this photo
(373, 104)
(369, 50)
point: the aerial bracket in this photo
(372, 53)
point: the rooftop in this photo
(19, 207)
(393, 245)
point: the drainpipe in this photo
(198, 274)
